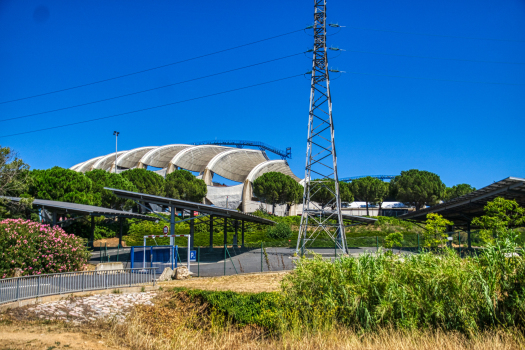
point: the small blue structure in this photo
(156, 256)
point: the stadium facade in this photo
(235, 164)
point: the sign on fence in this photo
(193, 255)
(165, 230)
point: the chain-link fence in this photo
(279, 255)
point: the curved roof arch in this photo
(74, 167)
(196, 158)
(87, 165)
(280, 166)
(160, 157)
(105, 162)
(235, 164)
(131, 158)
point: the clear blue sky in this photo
(465, 132)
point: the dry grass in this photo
(175, 323)
(179, 323)
(254, 283)
(134, 336)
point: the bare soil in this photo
(28, 335)
(254, 283)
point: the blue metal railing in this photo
(380, 177)
(287, 154)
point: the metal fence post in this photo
(154, 276)
(199, 261)
(261, 256)
(17, 288)
(225, 260)
(60, 284)
(106, 280)
(83, 278)
(38, 286)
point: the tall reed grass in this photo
(412, 292)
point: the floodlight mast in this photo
(321, 161)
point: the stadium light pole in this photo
(116, 133)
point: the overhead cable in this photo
(150, 69)
(151, 108)
(152, 89)
(436, 35)
(433, 58)
(447, 80)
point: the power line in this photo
(150, 69)
(436, 35)
(154, 107)
(152, 89)
(448, 80)
(433, 58)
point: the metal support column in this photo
(211, 232)
(192, 229)
(469, 242)
(242, 234)
(92, 237)
(172, 225)
(121, 220)
(54, 214)
(236, 225)
(225, 233)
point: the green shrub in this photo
(263, 309)
(279, 231)
(37, 249)
(416, 291)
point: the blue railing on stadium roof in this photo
(241, 143)
(380, 177)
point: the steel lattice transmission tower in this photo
(321, 161)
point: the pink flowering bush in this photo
(38, 249)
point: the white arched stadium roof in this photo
(160, 157)
(131, 158)
(231, 163)
(196, 158)
(280, 166)
(236, 164)
(106, 162)
(85, 166)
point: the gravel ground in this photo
(85, 309)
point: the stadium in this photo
(232, 163)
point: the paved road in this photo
(240, 260)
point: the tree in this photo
(105, 198)
(394, 239)
(324, 194)
(458, 191)
(277, 188)
(145, 181)
(14, 181)
(417, 188)
(370, 190)
(382, 192)
(59, 184)
(500, 215)
(435, 227)
(181, 184)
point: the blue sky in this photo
(465, 132)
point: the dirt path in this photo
(47, 338)
(255, 283)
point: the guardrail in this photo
(27, 287)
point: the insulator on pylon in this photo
(335, 49)
(335, 25)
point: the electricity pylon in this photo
(321, 199)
